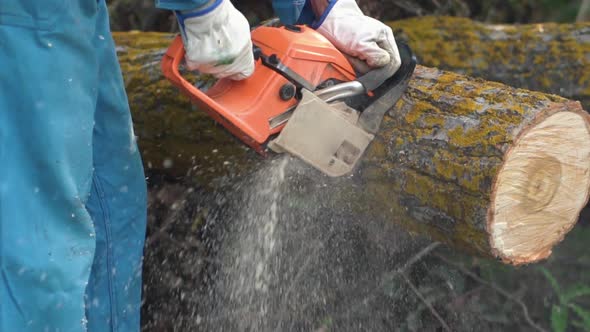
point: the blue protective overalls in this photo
(72, 187)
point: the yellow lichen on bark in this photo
(432, 166)
(548, 57)
(447, 140)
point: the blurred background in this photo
(141, 14)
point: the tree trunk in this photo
(550, 57)
(584, 11)
(485, 167)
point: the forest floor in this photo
(375, 278)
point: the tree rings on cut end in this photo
(541, 188)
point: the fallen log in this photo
(482, 165)
(549, 57)
(494, 170)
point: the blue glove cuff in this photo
(317, 23)
(181, 16)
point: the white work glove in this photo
(357, 35)
(217, 40)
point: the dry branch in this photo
(433, 311)
(501, 291)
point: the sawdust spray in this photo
(249, 255)
(294, 255)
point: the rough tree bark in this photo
(552, 58)
(481, 165)
(492, 169)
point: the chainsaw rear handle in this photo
(170, 68)
(170, 64)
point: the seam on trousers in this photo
(12, 296)
(106, 219)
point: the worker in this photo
(72, 186)
(216, 32)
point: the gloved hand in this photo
(217, 40)
(346, 27)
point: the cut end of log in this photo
(541, 188)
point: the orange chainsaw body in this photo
(246, 108)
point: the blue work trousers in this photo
(72, 187)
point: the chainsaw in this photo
(304, 97)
